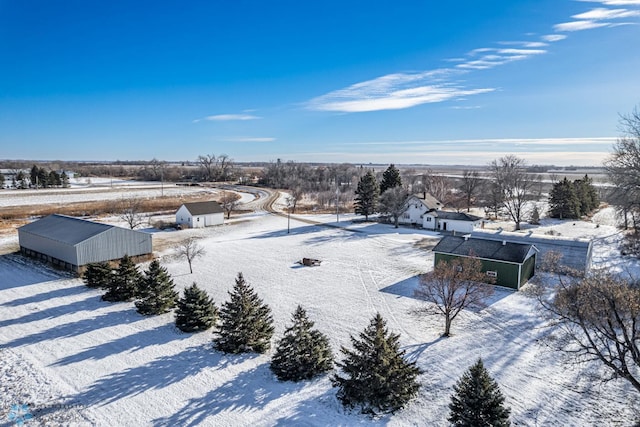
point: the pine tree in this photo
(196, 310)
(563, 201)
(156, 292)
(587, 195)
(390, 178)
(98, 275)
(303, 352)
(535, 216)
(246, 322)
(377, 377)
(124, 283)
(478, 400)
(367, 195)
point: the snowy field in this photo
(78, 360)
(100, 191)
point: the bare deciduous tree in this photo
(437, 185)
(190, 249)
(598, 319)
(393, 202)
(470, 185)
(130, 211)
(207, 164)
(229, 201)
(509, 172)
(453, 286)
(623, 167)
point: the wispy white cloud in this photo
(497, 56)
(601, 13)
(615, 2)
(251, 139)
(228, 117)
(393, 92)
(579, 25)
(600, 16)
(553, 37)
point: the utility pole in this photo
(288, 214)
(337, 206)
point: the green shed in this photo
(511, 264)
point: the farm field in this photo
(78, 360)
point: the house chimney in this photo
(466, 237)
(424, 195)
(504, 243)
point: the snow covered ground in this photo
(78, 360)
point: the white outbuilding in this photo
(200, 214)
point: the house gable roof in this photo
(430, 202)
(457, 216)
(65, 229)
(484, 248)
(203, 208)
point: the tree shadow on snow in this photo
(47, 296)
(157, 336)
(86, 304)
(17, 270)
(155, 375)
(407, 288)
(79, 327)
(247, 391)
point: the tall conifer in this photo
(246, 322)
(303, 352)
(196, 310)
(97, 275)
(390, 178)
(367, 195)
(376, 378)
(477, 400)
(156, 291)
(124, 282)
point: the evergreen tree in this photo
(98, 275)
(35, 172)
(196, 310)
(156, 292)
(587, 195)
(478, 400)
(535, 216)
(124, 283)
(390, 178)
(64, 179)
(303, 353)
(246, 322)
(367, 195)
(377, 377)
(563, 201)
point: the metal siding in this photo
(53, 248)
(507, 273)
(114, 244)
(528, 270)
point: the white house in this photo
(458, 222)
(416, 206)
(200, 214)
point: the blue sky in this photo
(460, 82)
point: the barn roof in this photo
(576, 253)
(65, 229)
(484, 248)
(203, 208)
